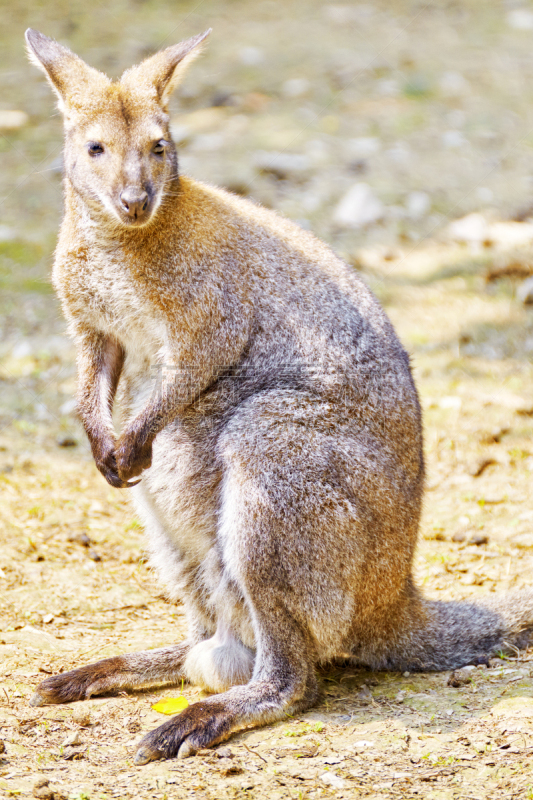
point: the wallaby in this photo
(275, 454)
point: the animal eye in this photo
(159, 147)
(95, 148)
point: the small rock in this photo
(73, 753)
(459, 537)
(460, 677)
(450, 401)
(43, 791)
(521, 19)
(358, 208)
(7, 234)
(66, 441)
(296, 87)
(224, 752)
(494, 436)
(11, 120)
(362, 744)
(72, 740)
(282, 165)
(68, 407)
(234, 769)
(453, 84)
(48, 618)
(479, 539)
(418, 205)
(335, 781)
(472, 229)
(80, 538)
(524, 293)
(82, 717)
(93, 555)
(251, 56)
(364, 695)
(453, 139)
(362, 147)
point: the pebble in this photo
(251, 56)
(296, 87)
(364, 695)
(335, 781)
(68, 407)
(11, 120)
(472, 229)
(453, 84)
(460, 677)
(358, 208)
(362, 147)
(418, 205)
(524, 293)
(43, 790)
(82, 717)
(453, 139)
(72, 740)
(282, 165)
(479, 539)
(521, 19)
(66, 441)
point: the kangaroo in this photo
(275, 453)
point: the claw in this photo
(145, 754)
(186, 750)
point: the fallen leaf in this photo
(171, 705)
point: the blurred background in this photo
(372, 124)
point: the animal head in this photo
(119, 154)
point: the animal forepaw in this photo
(133, 455)
(105, 459)
(199, 726)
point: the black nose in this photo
(134, 203)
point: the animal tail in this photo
(436, 635)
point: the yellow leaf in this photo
(171, 705)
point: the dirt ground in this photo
(417, 101)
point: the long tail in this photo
(436, 635)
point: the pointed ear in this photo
(161, 73)
(69, 76)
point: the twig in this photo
(254, 753)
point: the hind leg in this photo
(132, 671)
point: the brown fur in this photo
(269, 411)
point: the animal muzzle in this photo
(135, 205)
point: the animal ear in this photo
(162, 72)
(69, 76)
